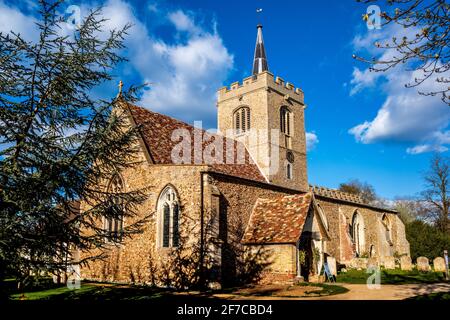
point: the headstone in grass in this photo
(405, 263)
(358, 263)
(439, 264)
(389, 262)
(373, 262)
(423, 264)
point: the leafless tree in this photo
(362, 189)
(427, 51)
(410, 208)
(436, 195)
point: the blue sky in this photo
(365, 126)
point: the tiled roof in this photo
(346, 197)
(278, 220)
(336, 194)
(157, 132)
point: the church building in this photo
(240, 200)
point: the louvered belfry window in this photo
(242, 120)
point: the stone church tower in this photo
(267, 115)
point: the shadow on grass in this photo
(438, 296)
(91, 291)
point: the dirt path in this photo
(362, 292)
(388, 292)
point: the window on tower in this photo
(241, 119)
(285, 121)
(289, 174)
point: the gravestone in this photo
(358, 263)
(373, 262)
(439, 264)
(405, 263)
(423, 264)
(331, 261)
(389, 262)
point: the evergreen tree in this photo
(58, 144)
(426, 241)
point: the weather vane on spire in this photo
(258, 14)
(260, 59)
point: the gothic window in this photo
(289, 173)
(113, 222)
(286, 121)
(387, 229)
(242, 120)
(168, 218)
(372, 252)
(358, 233)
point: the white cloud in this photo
(405, 116)
(423, 148)
(311, 141)
(184, 71)
(183, 22)
(12, 19)
(184, 75)
(362, 79)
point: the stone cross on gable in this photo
(120, 88)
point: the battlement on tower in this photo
(262, 80)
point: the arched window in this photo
(113, 223)
(241, 119)
(387, 228)
(372, 252)
(286, 121)
(358, 233)
(289, 171)
(168, 218)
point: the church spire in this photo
(260, 60)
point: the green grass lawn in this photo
(90, 291)
(392, 277)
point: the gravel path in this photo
(362, 292)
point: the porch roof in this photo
(278, 220)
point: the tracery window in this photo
(169, 217)
(358, 233)
(113, 222)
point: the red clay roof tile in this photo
(278, 220)
(157, 130)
